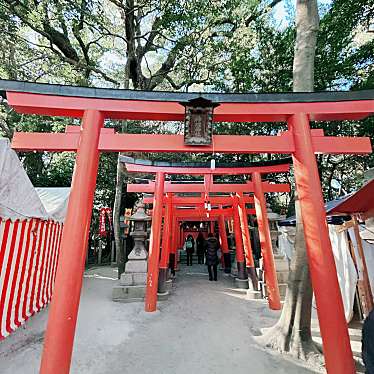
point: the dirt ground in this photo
(204, 327)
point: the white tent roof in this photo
(18, 197)
(55, 201)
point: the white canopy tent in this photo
(18, 197)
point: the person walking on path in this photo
(190, 249)
(200, 242)
(211, 253)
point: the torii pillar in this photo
(211, 226)
(166, 233)
(266, 247)
(242, 279)
(247, 242)
(172, 249)
(330, 310)
(154, 245)
(59, 337)
(224, 245)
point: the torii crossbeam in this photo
(95, 105)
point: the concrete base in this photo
(132, 294)
(169, 285)
(282, 276)
(162, 296)
(254, 295)
(241, 283)
(133, 279)
(282, 289)
(128, 294)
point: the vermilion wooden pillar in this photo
(59, 337)
(172, 247)
(166, 233)
(211, 227)
(176, 243)
(334, 331)
(154, 245)
(247, 242)
(224, 244)
(266, 247)
(242, 280)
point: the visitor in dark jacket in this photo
(211, 255)
(200, 243)
(368, 343)
(190, 249)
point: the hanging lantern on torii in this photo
(198, 121)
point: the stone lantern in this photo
(274, 233)
(133, 281)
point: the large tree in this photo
(292, 333)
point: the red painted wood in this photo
(172, 111)
(243, 215)
(175, 143)
(333, 325)
(266, 247)
(154, 246)
(198, 201)
(198, 187)
(59, 336)
(136, 168)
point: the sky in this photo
(283, 12)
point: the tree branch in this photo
(256, 14)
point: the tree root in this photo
(293, 345)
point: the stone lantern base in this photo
(131, 286)
(282, 271)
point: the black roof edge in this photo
(130, 160)
(124, 94)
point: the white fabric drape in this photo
(346, 271)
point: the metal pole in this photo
(154, 246)
(59, 337)
(334, 331)
(265, 240)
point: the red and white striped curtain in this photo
(28, 260)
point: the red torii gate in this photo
(96, 105)
(257, 186)
(202, 215)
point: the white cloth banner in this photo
(286, 240)
(369, 257)
(345, 268)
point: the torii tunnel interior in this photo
(299, 141)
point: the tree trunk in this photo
(292, 333)
(116, 219)
(307, 23)
(120, 250)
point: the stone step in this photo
(280, 264)
(282, 276)
(130, 294)
(282, 289)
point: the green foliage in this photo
(229, 45)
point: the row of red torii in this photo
(95, 105)
(228, 207)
